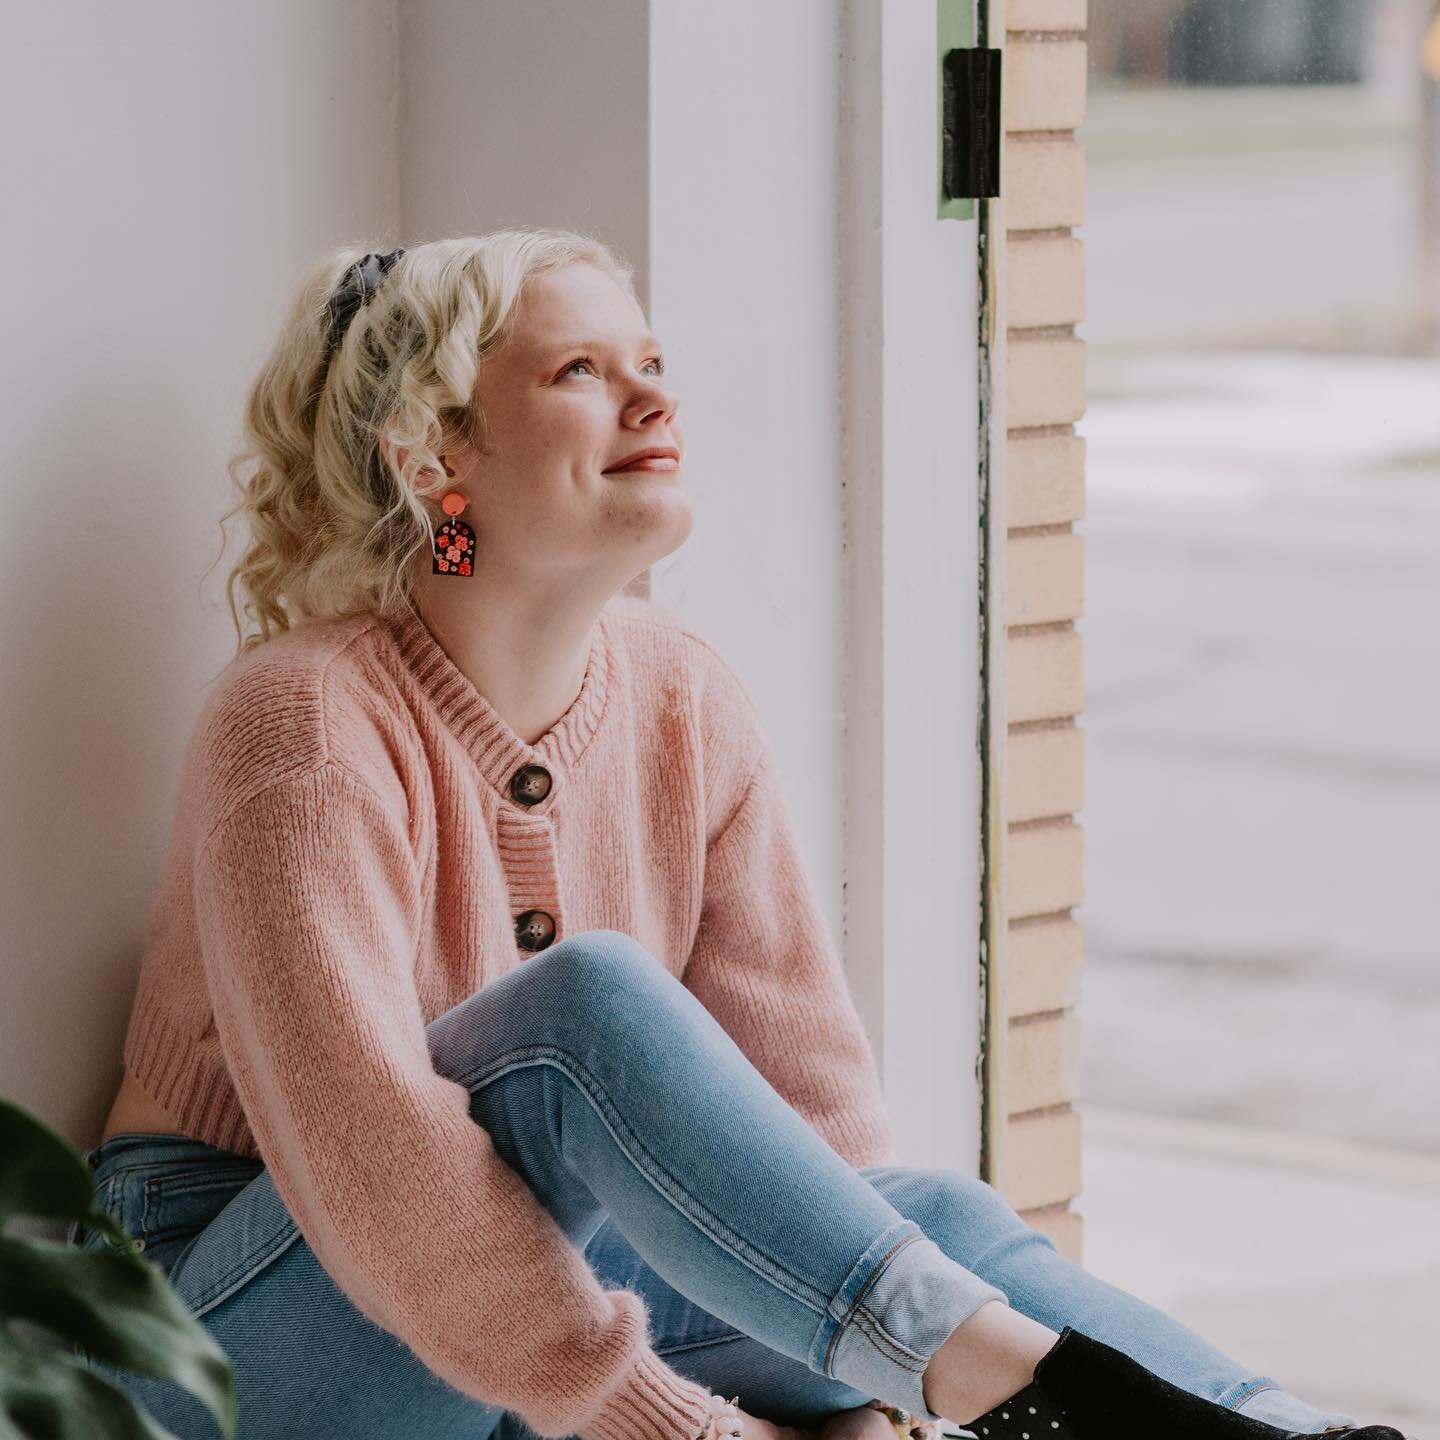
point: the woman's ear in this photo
(395, 454)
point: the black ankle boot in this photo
(1086, 1390)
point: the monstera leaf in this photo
(112, 1303)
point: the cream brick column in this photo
(1043, 93)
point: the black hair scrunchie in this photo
(361, 282)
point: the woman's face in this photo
(576, 387)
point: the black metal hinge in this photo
(970, 124)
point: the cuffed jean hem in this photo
(1277, 1406)
(899, 1304)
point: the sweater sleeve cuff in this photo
(653, 1402)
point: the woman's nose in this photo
(659, 397)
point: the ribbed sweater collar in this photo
(496, 749)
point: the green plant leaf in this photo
(45, 1396)
(112, 1303)
(43, 1174)
(119, 1307)
(102, 1222)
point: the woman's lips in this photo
(653, 462)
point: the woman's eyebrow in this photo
(645, 342)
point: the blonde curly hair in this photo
(334, 526)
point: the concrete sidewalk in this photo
(1314, 1261)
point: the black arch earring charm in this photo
(453, 549)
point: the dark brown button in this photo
(534, 929)
(530, 784)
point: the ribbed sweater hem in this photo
(653, 1403)
(166, 1061)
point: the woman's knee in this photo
(601, 970)
(963, 1214)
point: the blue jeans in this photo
(770, 1267)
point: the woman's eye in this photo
(586, 360)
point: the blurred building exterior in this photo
(1255, 42)
(1262, 553)
(1269, 172)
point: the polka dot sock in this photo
(1029, 1415)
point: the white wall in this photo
(169, 169)
(745, 273)
(526, 114)
(912, 418)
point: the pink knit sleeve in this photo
(764, 965)
(308, 900)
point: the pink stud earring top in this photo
(454, 547)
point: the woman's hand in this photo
(752, 1427)
(861, 1424)
(866, 1423)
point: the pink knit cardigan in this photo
(346, 864)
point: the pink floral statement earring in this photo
(454, 542)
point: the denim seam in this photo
(727, 1339)
(157, 1189)
(188, 1184)
(1242, 1390)
(254, 1262)
(881, 1338)
(855, 1311)
(663, 1182)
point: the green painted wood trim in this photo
(955, 26)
